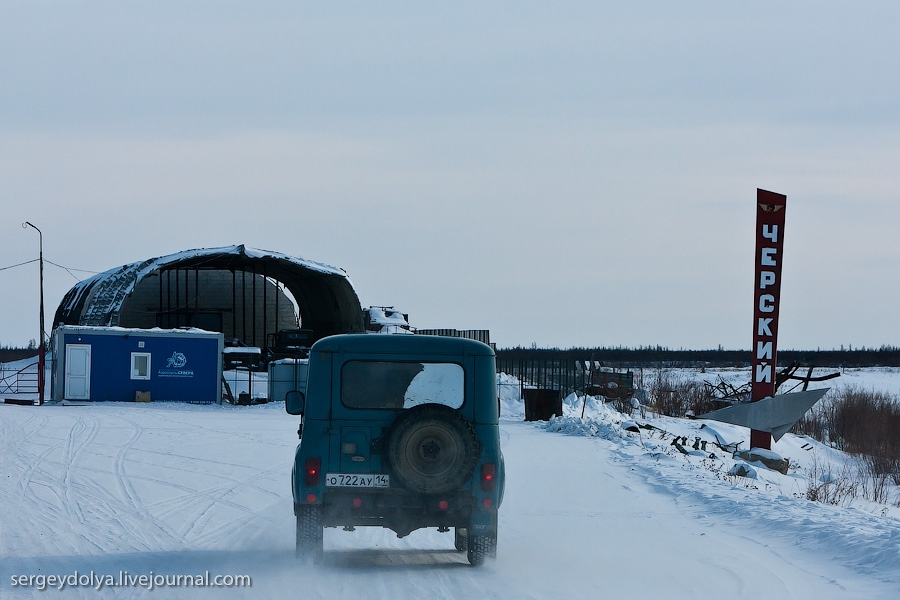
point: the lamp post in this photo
(41, 350)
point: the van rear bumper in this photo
(403, 513)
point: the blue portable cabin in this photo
(116, 363)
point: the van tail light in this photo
(312, 469)
(488, 477)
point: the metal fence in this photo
(563, 372)
(19, 380)
(479, 335)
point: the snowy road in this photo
(177, 489)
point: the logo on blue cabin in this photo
(175, 366)
(176, 361)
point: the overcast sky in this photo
(564, 174)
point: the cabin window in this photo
(140, 365)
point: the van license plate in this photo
(363, 480)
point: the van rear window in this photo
(399, 385)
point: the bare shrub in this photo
(664, 396)
(814, 424)
(828, 487)
(623, 405)
(677, 396)
(865, 424)
(875, 480)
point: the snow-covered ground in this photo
(592, 510)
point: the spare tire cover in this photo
(431, 449)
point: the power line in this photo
(20, 264)
(70, 269)
(66, 269)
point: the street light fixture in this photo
(41, 350)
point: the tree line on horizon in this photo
(650, 356)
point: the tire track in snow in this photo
(87, 477)
(13, 438)
(68, 486)
(74, 449)
(133, 503)
(21, 430)
(34, 464)
(208, 493)
(209, 497)
(215, 534)
(47, 488)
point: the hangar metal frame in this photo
(262, 282)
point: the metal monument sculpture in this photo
(766, 414)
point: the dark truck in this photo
(399, 431)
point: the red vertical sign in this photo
(767, 294)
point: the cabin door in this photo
(78, 372)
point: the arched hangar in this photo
(247, 294)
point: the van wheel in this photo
(460, 539)
(309, 533)
(481, 547)
(431, 449)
